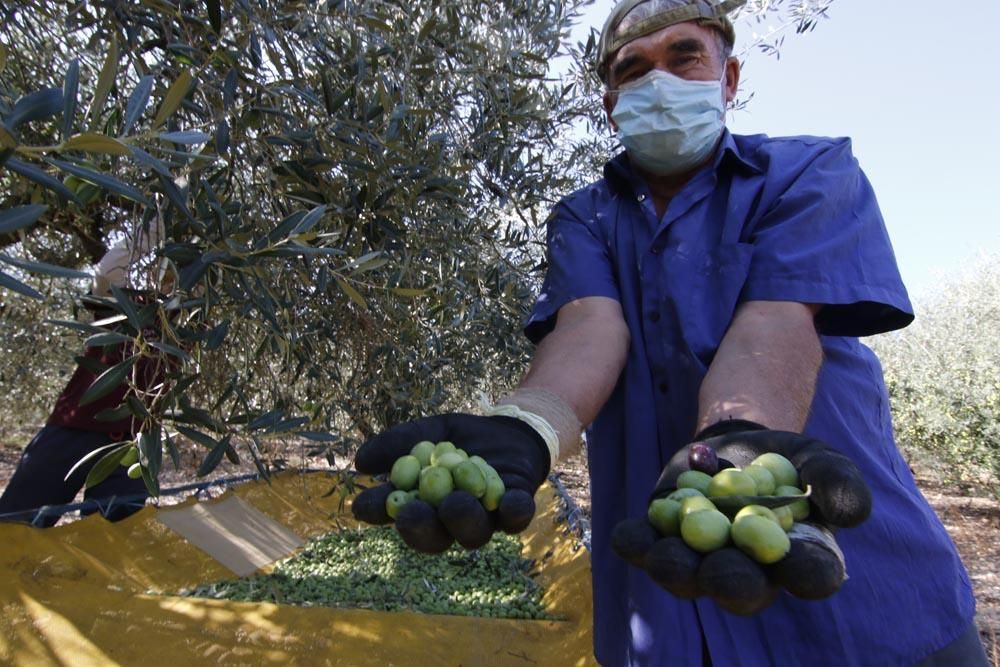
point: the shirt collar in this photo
(730, 150)
(619, 172)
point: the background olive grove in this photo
(353, 194)
(943, 375)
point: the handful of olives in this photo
(431, 471)
(438, 494)
(729, 520)
(752, 508)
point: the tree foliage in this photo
(942, 377)
(352, 191)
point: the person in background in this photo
(711, 288)
(76, 428)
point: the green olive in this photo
(405, 472)
(423, 450)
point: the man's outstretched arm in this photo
(765, 370)
(581, 359)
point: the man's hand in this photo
(814, 566)
(514, 449)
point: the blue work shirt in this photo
(775, 219)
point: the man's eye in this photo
(628, 77)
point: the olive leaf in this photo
(19, 217)
(108, 381)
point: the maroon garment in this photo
(148, 372)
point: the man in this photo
(77, 427)
(712, 287)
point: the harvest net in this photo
(95, 592)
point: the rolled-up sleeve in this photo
(822, 240)
(578, 264)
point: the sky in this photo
(914, 86)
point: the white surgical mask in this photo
(668, 124)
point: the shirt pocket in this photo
(704, 289)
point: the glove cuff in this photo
(727, 426)
(546, 413)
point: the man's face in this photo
(688, 50)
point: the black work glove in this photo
(813, 567)
(514, 449)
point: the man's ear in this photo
(732, 79)
(610, 99)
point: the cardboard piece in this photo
(232, 532)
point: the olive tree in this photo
(352, 194)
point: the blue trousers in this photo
(966, 651)
(40, 479)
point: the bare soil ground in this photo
(972, 521)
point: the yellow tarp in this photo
(84, 594)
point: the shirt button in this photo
(663, 387)
(654, 317)
(641, 197)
